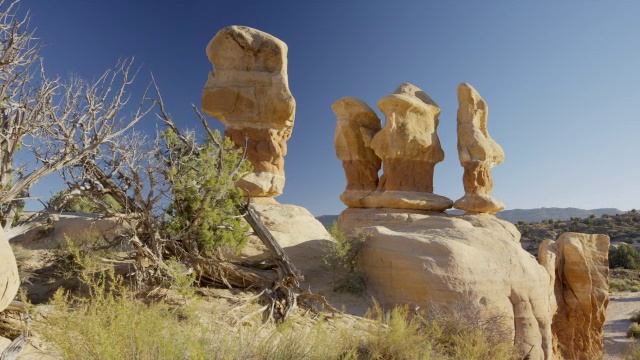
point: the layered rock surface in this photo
(249, 92)
(478, 153)
(9, 279)
(422, 257)
(579, 265)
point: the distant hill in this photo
(327, 220)
(535, 215)
(526, 215)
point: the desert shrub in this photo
(205, 200)
(456, 331)
(340, 258)
(79, 256)
(182, 279)
(83, 204)
(624, 256)
(635, 318)
(632, 285)
(634, 330)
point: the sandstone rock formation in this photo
(9, 280)
(249, 92)
(422, 257)
(478, 153)
(409, 147)
(356, 126)
(579, 264)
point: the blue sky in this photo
(560, 79)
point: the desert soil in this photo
(622, 306)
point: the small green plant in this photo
(182, 279)
(341, 259)
(82, 204)
(79, 256)
(634, 331)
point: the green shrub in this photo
(83, 204)
(340, 258)
(205, 200)
(634, 331)
(624, 285)
(624, 256)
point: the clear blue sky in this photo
(560, 79)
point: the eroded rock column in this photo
(248, 91)
(581, 274)
(356, 126)
(478, 153)
(409, 147)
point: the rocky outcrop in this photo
(9, 279)
(478, 153)
(408, 146)
(356, 126)
(421, 257)
(579, 266)
(249, 92)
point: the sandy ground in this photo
(621, 307)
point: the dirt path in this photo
(621, 308)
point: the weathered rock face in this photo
(409, 147)
(580, 264)
(478, 153)
(356, 126)
(422, 257)
(9, 280)
(249, 92)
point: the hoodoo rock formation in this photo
(579, 266)
(478, 153)
(409, 147)
(357, 125)
(249, 92)
(9, 279)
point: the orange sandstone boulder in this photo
(423, 258)
(580, 264)
(9, 280)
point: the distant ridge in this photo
(526, 215)
(534, 215)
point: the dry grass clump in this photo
(109, 321)
(634, 331)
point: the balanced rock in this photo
(249, 92)
(478, 153)
(9, 279)
(409, 147)
(579, 265)
(424, 258)
(356, 126)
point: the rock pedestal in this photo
(9, 279)
(478, 153)
(424, 258)
(249, 92)
(579, 266)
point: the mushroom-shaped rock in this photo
(409, 147)
(356, 126)
(478, 153)
(9, 279)
(248, 91)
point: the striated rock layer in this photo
(421, 257)
(9, 279)
(248, 91)
(579, 265)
